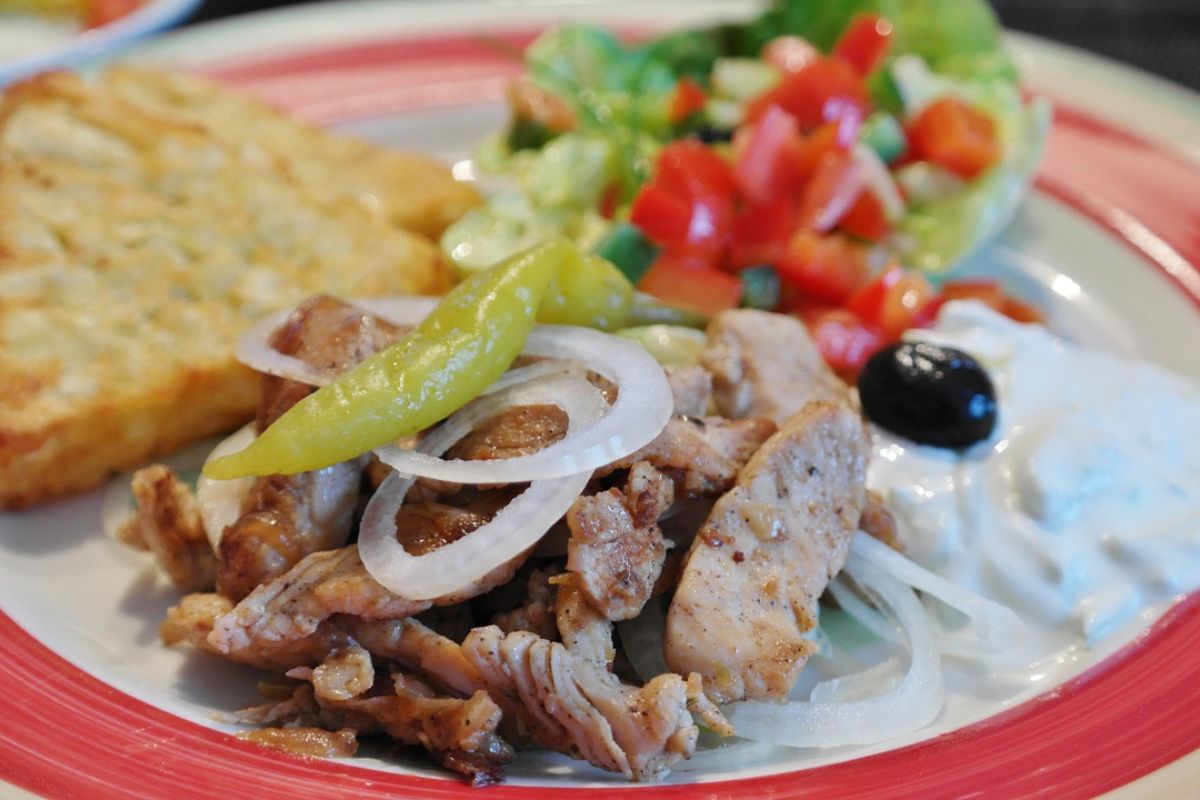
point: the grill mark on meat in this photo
(285, 518)
(766, 365)
(167, 522)
(755, 571)
(516, 431)
(616, 548)
(568, 704)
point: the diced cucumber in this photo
(723, 114)
(629, 251)
(883, 134)
(760, 287)
(741, 79)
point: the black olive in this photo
(929, 394)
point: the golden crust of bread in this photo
(146, 219)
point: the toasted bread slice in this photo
(145, 221)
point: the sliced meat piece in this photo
(516, 431)
(303, 741)
(536, 613)
(417, 648)
(585, 631)
(702, 455)
(459, 733)
(284, 518)
(568, 704)
(167, 522)
(616, 549)
(766, 365)
(326, 333)
(756, 569)
(192, 620)
(425, 525)
(291, 606)
(692, 388)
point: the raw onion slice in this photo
(514, 529)
(911, 705)
(255, 351)
(221, 501)
(642, 408)
(992, 628)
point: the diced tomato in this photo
(760, 233)
(988, 292)
(689, 98)
(832, 191)
(821, 92)
(866, 219)
(867, 300)
(826, 268)
(844, 340)
(688, 284)
(764, 170)
(813, 148)
(662, 215)
(610, 200)
(1022, 311)
(790, 53)
(692, 169)
(102, 12)
(865, 42)
(956, 136)
(905, 303)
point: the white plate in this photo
(30, 43)
(1108, 244)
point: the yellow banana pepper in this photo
(460, 349)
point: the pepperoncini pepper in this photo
(451, 357)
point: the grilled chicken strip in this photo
(293, 605)
(459, 733)
(167, 522)
(585, 631)
(616, 548)
(702, 455)
(284, 518)
(766, 365)
(569, 704)
(692, 388)
(756, 569)
(192, 620)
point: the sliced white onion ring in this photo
(221, 501)
(514, 529)
(255, 351)
(992, 628)
(642, 408)
(911, 705)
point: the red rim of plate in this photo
(68, 734)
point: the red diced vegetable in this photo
(1022, 311)
(689, 99)
(865, 42)
(956, 136)
(688, 284)
(820, 92)
(663, 216)
(831, 192)
(766, 158)
(866, 219)
(867, 300)
(102, 12)
(761, 232)
(905, 305)
(988, 292)
(844, 340)
(692, 169)
(826, 268)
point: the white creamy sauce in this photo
(1082, 510)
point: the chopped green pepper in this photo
(760, 287)
(883, 134)
(455, 353)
